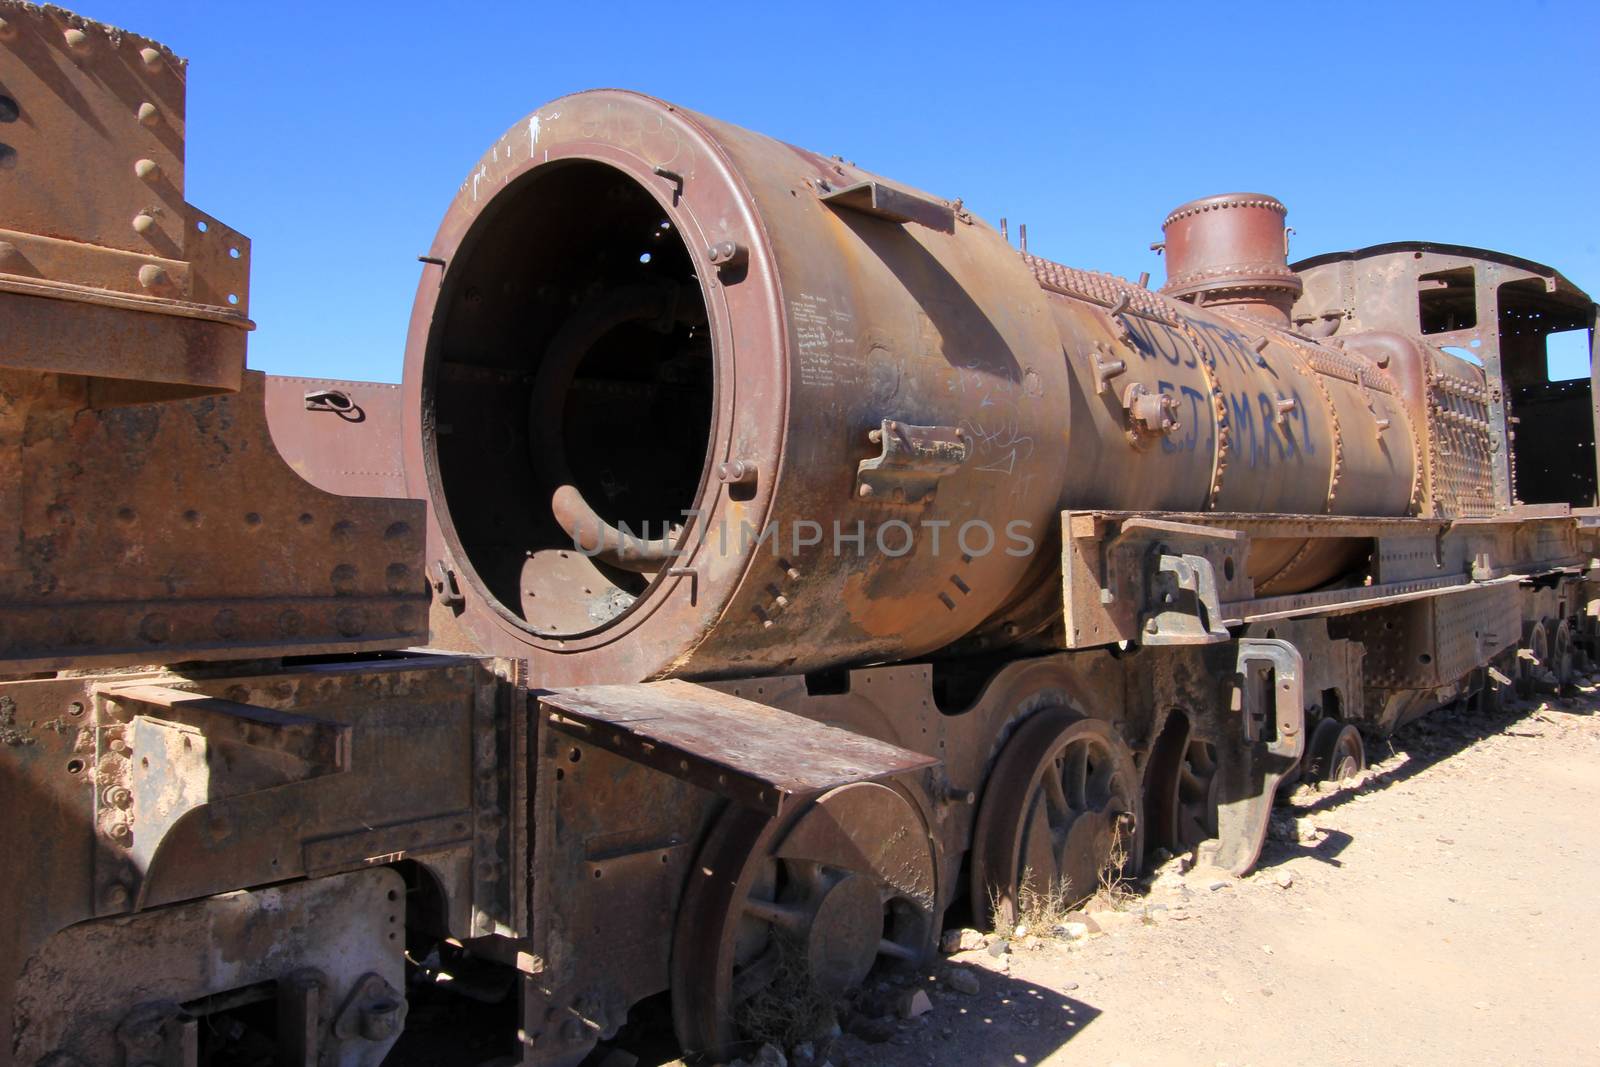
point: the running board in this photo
(752, 754)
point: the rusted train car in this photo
(761, 559)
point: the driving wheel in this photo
(783, 916)
(1060, 814)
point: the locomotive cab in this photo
(1528, 328)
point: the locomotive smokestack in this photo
(1232, 251)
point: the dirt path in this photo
(1443, 910)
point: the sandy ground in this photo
(1443, 909)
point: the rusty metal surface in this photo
(343, 437)
(128, 986)
(849, 880)
(112, 275)
(1165, 405)
(749, 752)
(927, 325)
(170, 531)
(148, 788)
(1495, 310)
(645, 321)
(1232, 251)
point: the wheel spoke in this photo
(779, 915)
(1077, 763)
(756, 975)
(895, 950)
(1056, 796)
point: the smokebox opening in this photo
(571, 382)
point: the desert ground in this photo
(1442, 908)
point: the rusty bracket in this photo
(182, 751)
(914, 460)
(1105, 369)
(1185, 607)
(1182, 596)
(896, 205)
(445, 586)
(752, 754)
(1268, 700)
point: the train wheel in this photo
(1336, 752)
(783, 916)
(1562, 658)
(1532, 659)
(1180, 800)
(1060, 813)
(1197, 794)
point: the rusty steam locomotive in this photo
(760, 559)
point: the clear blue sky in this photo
(334, 134)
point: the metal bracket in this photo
(1268, 698)
(1187, 609)
(445, 587)
(184, 750)
(896, 205)
(1105, 369)
(913, 461)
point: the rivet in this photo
(119, 796)
(77, 40)
(142, 223)
(148, 115)
(350, 621)
(120, 832)
(8, 32)
(151, 58)
(148, 169)
(154, 628)
(152, 275)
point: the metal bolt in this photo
(737, 472)
(118, 796)
(152, 275)
(115, 895)
(148, 114)
(959, 796)
(142, 223)
(120, 832)
(8, 32)
(728, 254)
(151, 59)
(77, 40)
(148, 169)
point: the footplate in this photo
(750, 753)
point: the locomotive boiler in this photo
(641, 321)
(762, 563)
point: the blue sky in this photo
(334, 135)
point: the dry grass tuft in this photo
(788, 1009)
